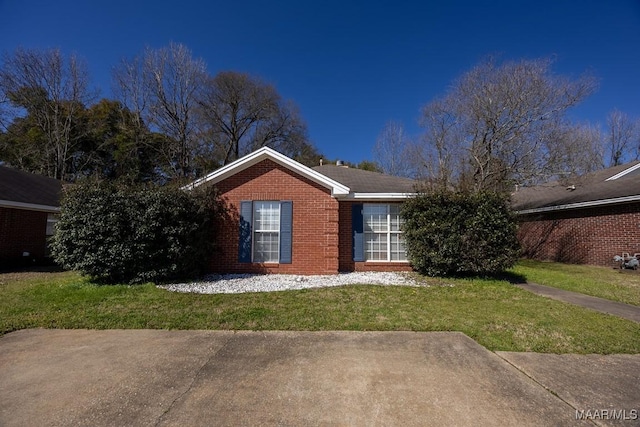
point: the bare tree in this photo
(240, 113)
(499, 119)
(53, 91)
(623, 141)
(161, 87)
(578, 148)
(438, 154)
(129, 88)
(392, 150)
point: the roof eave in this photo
(29, 206)
(381, 196)
(623, 173)
(580, 205)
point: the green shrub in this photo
(119, 234)
(455, 233)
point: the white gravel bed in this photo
(241, 283)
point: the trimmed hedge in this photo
(456, 233)
(118, 234)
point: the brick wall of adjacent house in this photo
(315, 220)
(21, 231)
(583, 236)
(346, 247)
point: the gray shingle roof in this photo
(589, 189)
(23, 187)
(361, 181)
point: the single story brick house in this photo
(586, 221)
(28, 207)
(285, 217)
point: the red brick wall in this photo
(346, 247)
(583, 236)
(315, 220)
(21, 231)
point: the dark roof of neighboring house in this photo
(28, 190)
(618, 184)
(361, 181)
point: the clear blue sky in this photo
(349, 66)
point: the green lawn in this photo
(493, 312)
(603, 282)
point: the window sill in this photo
(386, 262)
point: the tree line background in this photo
(170, 120)
(502, 123)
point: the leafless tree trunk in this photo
(53, 91)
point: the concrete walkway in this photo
(209, 378)
(626, 311)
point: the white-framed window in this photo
(52, 219)
(266, 231)
(382, 233)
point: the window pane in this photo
(395, 220)
(266, 247)
(267, 216)
(397, 248)
(375, 218)
(266, 235)
(375, 247)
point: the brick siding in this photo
(21, 231)
(322, 240)
(582, 236)
(315, 220)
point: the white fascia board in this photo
(28, 206)
(581, 205)
(264, 153)
(381, 196)
(623, 173)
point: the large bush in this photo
(119, 234)
(455, 233)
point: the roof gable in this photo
(264, 153)
(343, 182)
(19, 189)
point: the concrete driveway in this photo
(198, 378)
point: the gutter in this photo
(380, 196)
(29, 206)
(581, 205)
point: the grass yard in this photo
(492, 312)
(603, 282)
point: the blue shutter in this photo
(357, 225)
(286, 227)
(244, 245)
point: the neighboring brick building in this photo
(28, 204)
(586, 222)
(284, 217)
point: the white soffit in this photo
(381, 196)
